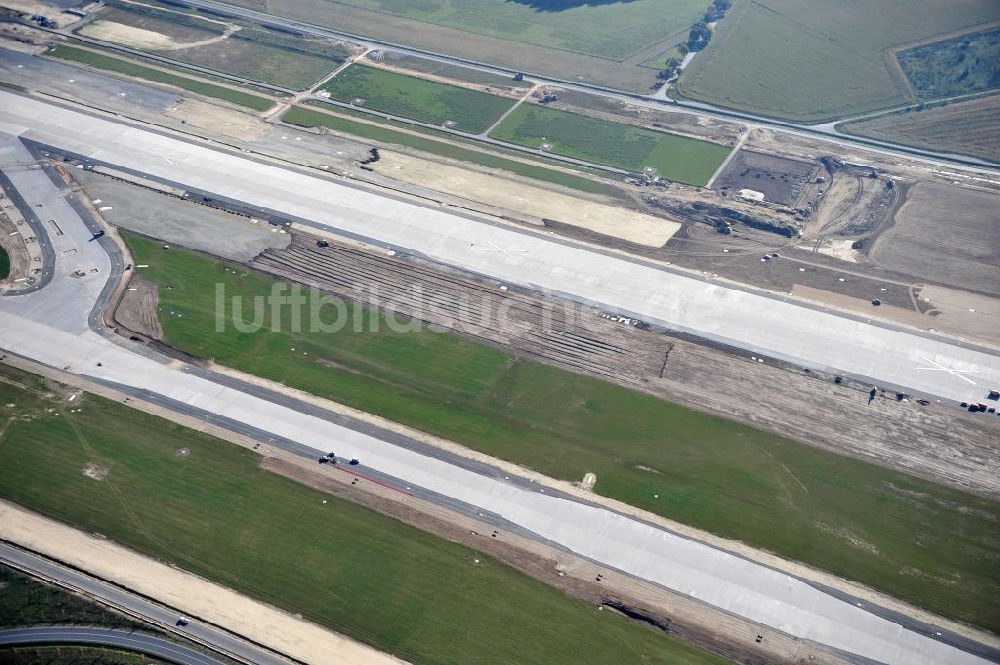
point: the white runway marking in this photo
(163, 156)
(941, 368)
(508, 253)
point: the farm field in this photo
(815, 61)
(305, 117)
(958, 66)
(924, 543)
(633, 26)
(131, 68)
(336, 563)
(675, 157)
(422, 100)
(448, 71)
(967, 128)
(606, 30)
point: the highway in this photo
(136, 606)
(105, 637)
(58, 327)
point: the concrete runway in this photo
(888, 356)
(56, 326)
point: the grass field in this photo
(615, 144)
(811, 61)
(418, 99)
(958, 66)
(927, 544)
(216, 513)
(967, 128)
(606, 30)
(380, 133)
(254, 53)
(130, 68)
(258, 61)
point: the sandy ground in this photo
(532, 200)
(191, 595)
(24, 39)
(127, 35)
(838, 249)
(233, 124)
(16, 250)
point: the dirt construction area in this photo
(934, 441)
(779, 179)
(944, 234)
(534, 200)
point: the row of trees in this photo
(697, 39)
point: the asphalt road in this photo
(105, 637)
(142, 608)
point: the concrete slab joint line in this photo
(58, 327)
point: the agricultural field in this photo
(605, 30)
(384, 133)
(958, 66)
(131, 68)
(921, 542)
(815, 61)
(339, 564)
(422, 100)
(677, 158)
(592, 41)
(969, 127)
(452, 72)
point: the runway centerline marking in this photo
(165, 158)
(508, 253)
(941, 368)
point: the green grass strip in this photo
(158, 76)
(931, 545)
(214, 512)
(419, 99)
(678, 158)
(308, 118)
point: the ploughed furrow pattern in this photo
(565, 334)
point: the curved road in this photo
(105, 637)
(122, 600)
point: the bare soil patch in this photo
(234, 124)
(947, 235)
(780, 179)
(95, 471)
(540, 202)
(137, 310)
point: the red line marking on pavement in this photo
(372, 480)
